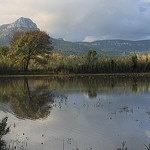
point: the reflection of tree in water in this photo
(90, 88)
(134, 86)
(91, 93)
(92, 85)
(30, 102)
(29, 98)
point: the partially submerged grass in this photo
(3, 131)
(147, 147)
(3, 127)
(123, 146)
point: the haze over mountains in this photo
(66, 48)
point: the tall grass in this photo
(80, 64)
(5, 66)
(101, 64)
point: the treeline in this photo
(92, 63)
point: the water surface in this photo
(66, 113)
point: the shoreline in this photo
(105, 75)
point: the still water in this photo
(69, 113)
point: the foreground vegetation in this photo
(90, 63)
(31, 51)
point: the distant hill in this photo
(67, 48)
(115, 47)
(119, 46)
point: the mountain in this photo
(115, 47)
(119, 46)
(7, 30)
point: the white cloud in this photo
(90, 38)
(77, 19)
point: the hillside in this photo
(67, 48)
(119, 46)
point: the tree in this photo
(4, 50)
(91, 56)
(17, 35)
(91, 59)
(29, 45)
(134, 60)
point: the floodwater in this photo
(70, 113)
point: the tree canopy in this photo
(28, 45)
(4, 50)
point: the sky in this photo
(83, 20)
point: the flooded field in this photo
(70, 113)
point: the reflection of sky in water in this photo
(102, 122)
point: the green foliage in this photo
(91, 56)
(5, 65)
(4, 50)
(134, 60)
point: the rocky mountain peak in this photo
(23, 23)
(8, 30)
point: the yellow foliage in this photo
(148, 55)
(56, 55)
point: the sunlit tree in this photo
(29, 45)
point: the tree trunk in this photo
(27, 64)
(26, 85)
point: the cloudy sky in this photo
(83, 20)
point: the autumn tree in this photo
(28, 45)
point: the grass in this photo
(3, 131)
